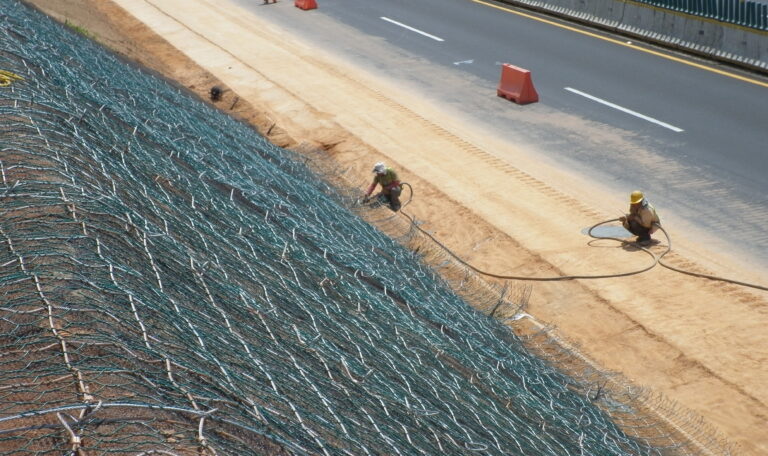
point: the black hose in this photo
(657, 259)
(704, 276)
(542, 279)
(410, 197)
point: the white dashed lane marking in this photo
(623, 109)
(408, 27)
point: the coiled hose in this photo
(7, 77)
(656, 259)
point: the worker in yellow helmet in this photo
(642, 220)
(390, 186)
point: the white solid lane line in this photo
(622, 109)
(436, 38)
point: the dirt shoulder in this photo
(702, 344)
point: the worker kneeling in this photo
(642, 220)
(390, 186)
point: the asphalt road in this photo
(691, 133)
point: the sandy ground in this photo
(700, 343)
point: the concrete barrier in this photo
(516, 84)
(305, 4)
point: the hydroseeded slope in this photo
(172, 283)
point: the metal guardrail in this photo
(745, 13)
(730, 31)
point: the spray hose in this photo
(656, 259)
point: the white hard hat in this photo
(379, 168)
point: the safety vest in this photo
(388, 180)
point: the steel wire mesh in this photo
(172, 283)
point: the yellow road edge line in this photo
(622, 43)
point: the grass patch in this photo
(81, 30)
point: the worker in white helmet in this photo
(642, 220)
(390, 186)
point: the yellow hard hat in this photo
(635, 197)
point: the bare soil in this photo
(702, 344)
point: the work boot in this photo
(644, 240)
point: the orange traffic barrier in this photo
(306, 4)
(516, 85)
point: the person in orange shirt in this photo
(642, 220)
(390, 186)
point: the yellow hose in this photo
(6, 78)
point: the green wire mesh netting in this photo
(172, 283)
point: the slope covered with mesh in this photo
(172, 283)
